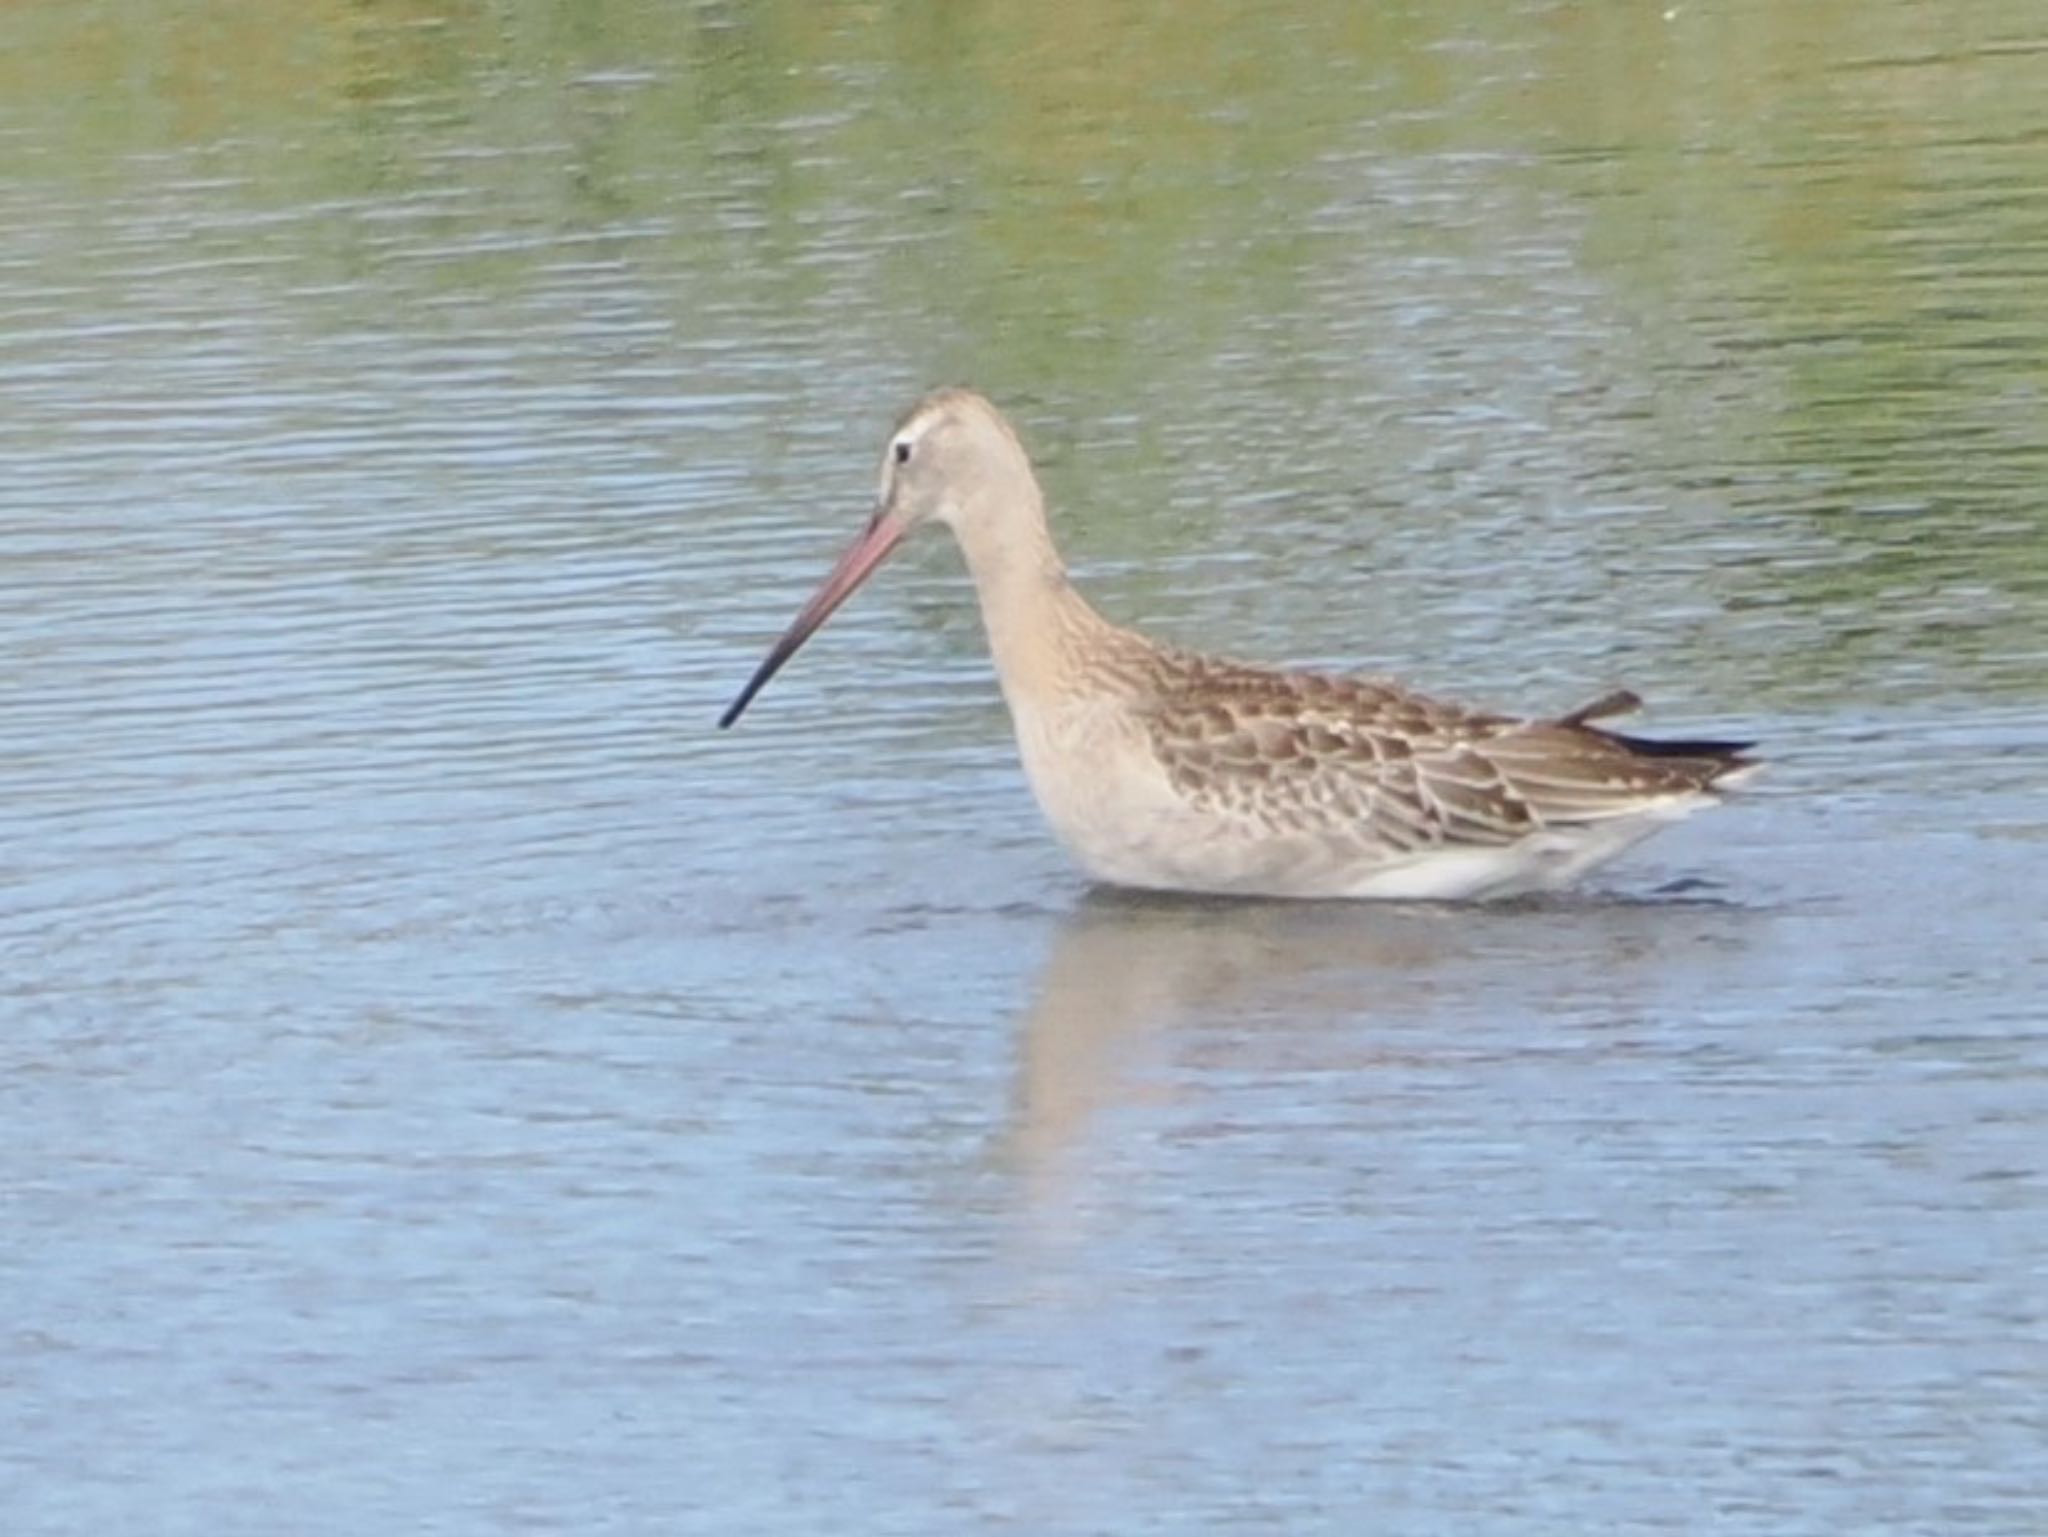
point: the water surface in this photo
(449, 1087)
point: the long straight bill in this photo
(881, 536)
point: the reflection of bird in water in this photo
(1279, 987)
(1167, 770)
(1124, 967)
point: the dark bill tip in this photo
(867, 552)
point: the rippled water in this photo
(450, 1087)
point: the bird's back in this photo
(1300, 783)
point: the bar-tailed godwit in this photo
(1165, 769)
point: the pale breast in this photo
(1115, 808)
(1100, 788)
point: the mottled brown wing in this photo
(1290, 751)
(1570, 773)
(1282, 752)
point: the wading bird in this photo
(1169, 770)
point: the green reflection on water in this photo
(1811, 240)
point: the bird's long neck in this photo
(1040, 629)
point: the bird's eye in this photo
(903, 450)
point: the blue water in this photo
(449, 1087)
